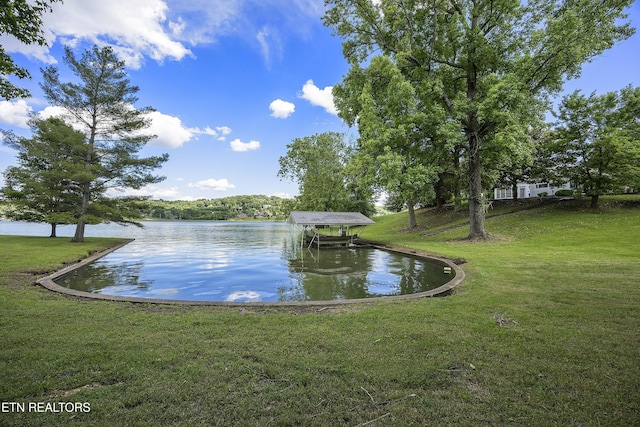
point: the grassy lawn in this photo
(544, 331)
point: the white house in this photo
(526, 191)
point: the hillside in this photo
(544, 331)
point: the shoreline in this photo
(48, 282)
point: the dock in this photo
(329, 229)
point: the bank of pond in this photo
(240, 262)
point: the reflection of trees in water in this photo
(95, 277)
(311, 274)
(418, 275)
(327, 274)
(291, 248)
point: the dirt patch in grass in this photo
(57, 394)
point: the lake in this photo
(238, 262)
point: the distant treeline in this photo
(259, 207)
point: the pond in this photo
(239, 262)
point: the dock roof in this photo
(328, 218)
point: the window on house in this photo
(542, 185)
(504, 193)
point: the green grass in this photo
(43, 254)
(543, 332)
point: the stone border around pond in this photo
(48, 283)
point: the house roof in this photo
(328, 218)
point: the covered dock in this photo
(329, 228)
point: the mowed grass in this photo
(544, 331)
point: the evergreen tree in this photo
(43, 187)
(102, 103)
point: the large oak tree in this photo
(495, 61)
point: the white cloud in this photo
(283, 195)
(161, 29)
(177, 28)
(281, 109)
(237, 145)
(264, 44)
(170, 131)
(52, 111)
(210, 19)
(34, 50)
(270, 41)
(208, 131)
(153, 191)
(15, 113)
(319, 97)
(136, 28)
(55, 111)
(212, 184)
(224, 130)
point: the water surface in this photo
(239, 262)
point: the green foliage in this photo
(544, 331)
(596, 143)
(319, 164)
(44, 187)
(21, 19)
(270, 208)
(103, 104)
(491, 64)
(564, 193)
(397, 133)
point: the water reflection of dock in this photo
(324, 240)
(329, 229)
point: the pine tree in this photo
(102, 103)
(42, 187)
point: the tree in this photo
(42, 187)
(396, 134)
(319, 164)
(494, 61)
(597, 141)
(102, 103)
(23, 20)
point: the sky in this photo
(232, 82)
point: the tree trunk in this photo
(78, 237)
(53, 230)
(439, 190)
(412, 214)
(514, 190)
(476, 198)
(86, 186)
(594, 201)
(474, 142)
(457, 186)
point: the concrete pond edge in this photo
(48, 282)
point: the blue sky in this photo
(232, 81)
